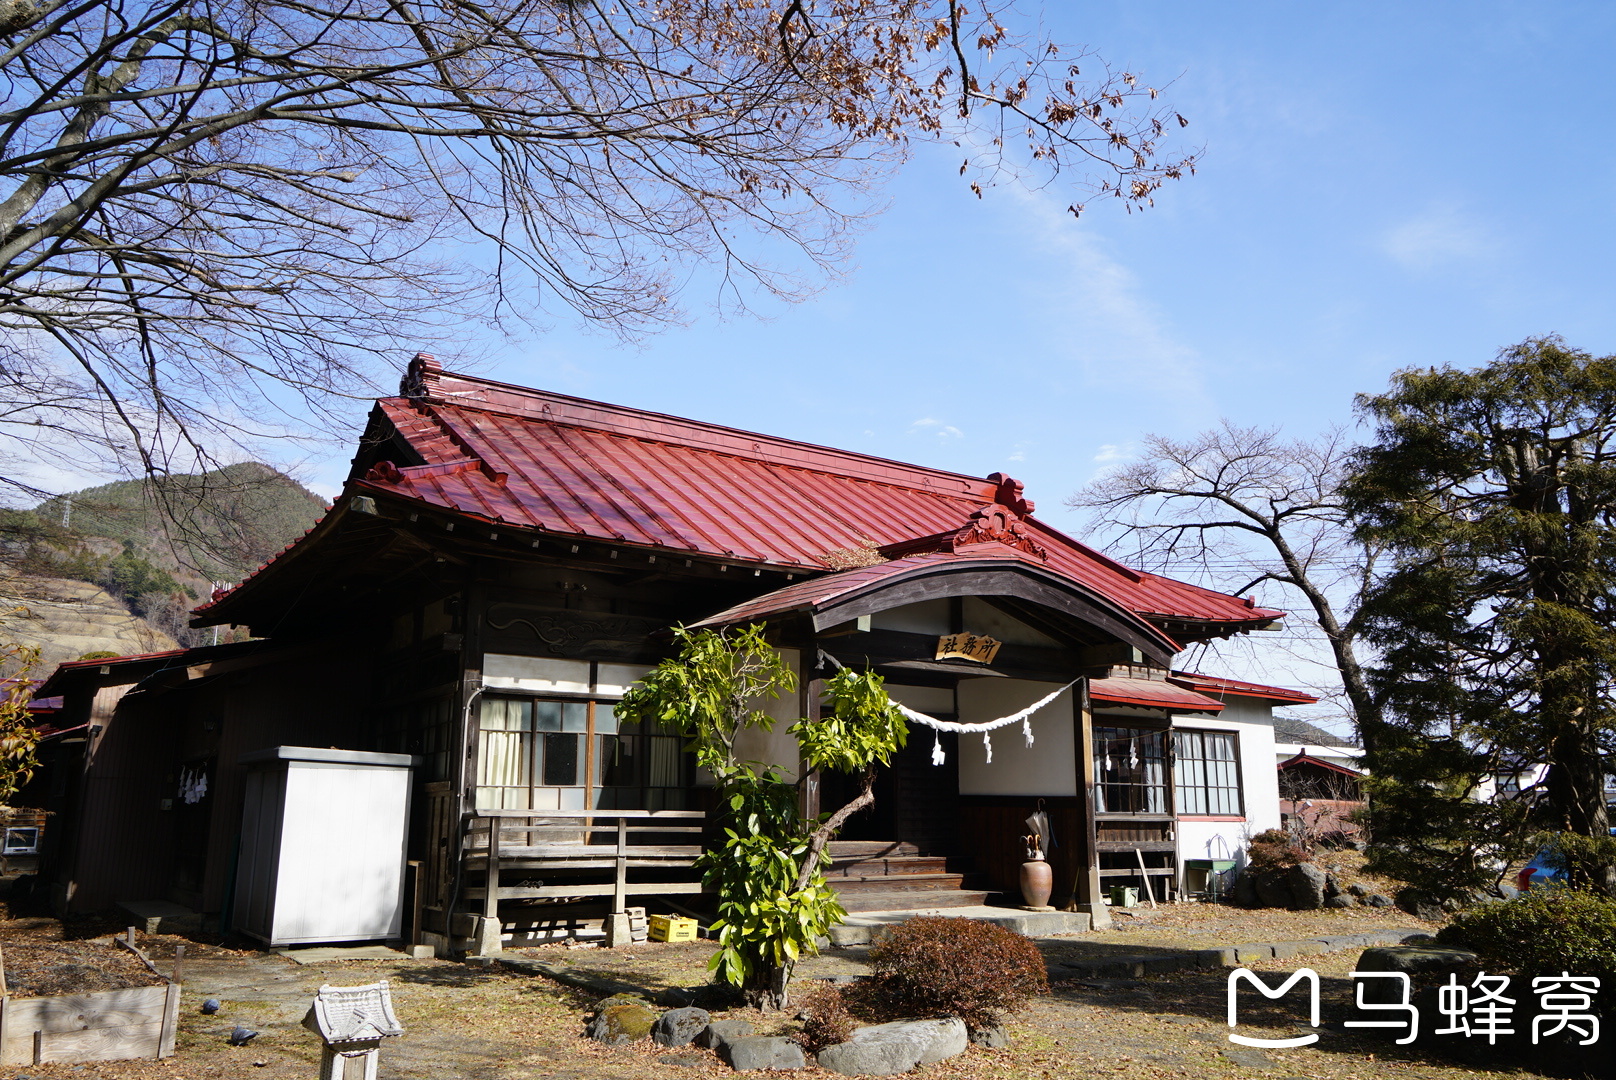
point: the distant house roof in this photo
(559, 465)
(1319, 763)
(1290, 730)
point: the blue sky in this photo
(1383, 185)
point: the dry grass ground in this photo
(497, 1024)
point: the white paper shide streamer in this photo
(1023, 717)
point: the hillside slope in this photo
(117, 568)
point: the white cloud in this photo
(935, 427)
(1102, 321)
(1112, 452)
(1019, 455)
(1440, 237)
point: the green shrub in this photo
(1273, 850)
(935, 966)
(1542, 932)
(828, 1021)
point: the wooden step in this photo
(903, 901)
(905, 883)
(870, 849)
(904, 864)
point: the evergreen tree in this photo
(1494, 493)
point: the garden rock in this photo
(990, 1037)
(1245, 891)
(679, 1027)
(1419, 904)
(1273, 890)
(1357, 890)
(764, 1052)
(1425, 965)
(1340, 902)
(1416, 959)
(889, 1049)
(1307, 883)
(720, 1033)
(619, 1024)
(1332, 887)
(1378, 900)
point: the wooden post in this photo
(415, 901)
(179, 961)
(1087, 892)
(491, 895)
(5, 1005)
(39, 1047)
(171, 1021)
(1144, 875)
(620, 886)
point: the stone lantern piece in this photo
(352, 1021)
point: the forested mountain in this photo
(157, 547)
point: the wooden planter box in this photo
(110, 1025)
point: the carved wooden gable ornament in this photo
(1001, 522)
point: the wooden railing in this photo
(574, 840)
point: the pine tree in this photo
(1494, 493)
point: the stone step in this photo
(898, 901)
(904, 883)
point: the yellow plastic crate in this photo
(672, 928)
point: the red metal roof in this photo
(1151, 694)
(816, 592)
(1208, 684)
(563, 465)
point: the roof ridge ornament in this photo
(420, 377)
(1001, 521)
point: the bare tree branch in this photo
(1287, 527)
(212, 213)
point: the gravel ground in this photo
(498, 1024)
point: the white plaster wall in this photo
(1252, 721)
(776, 747)
(980, 617)
(932, 700)
(1048, 767)
(926, 617)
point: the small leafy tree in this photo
(768, 873)
(19, 740)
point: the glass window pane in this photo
(547, 715)
(664, 762)
(1207, 773)
(574, 716)
(616, 761)
(560, 760)
(605, 718)
(502, 758)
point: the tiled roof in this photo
(563, 465)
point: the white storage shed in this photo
(323, 837)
